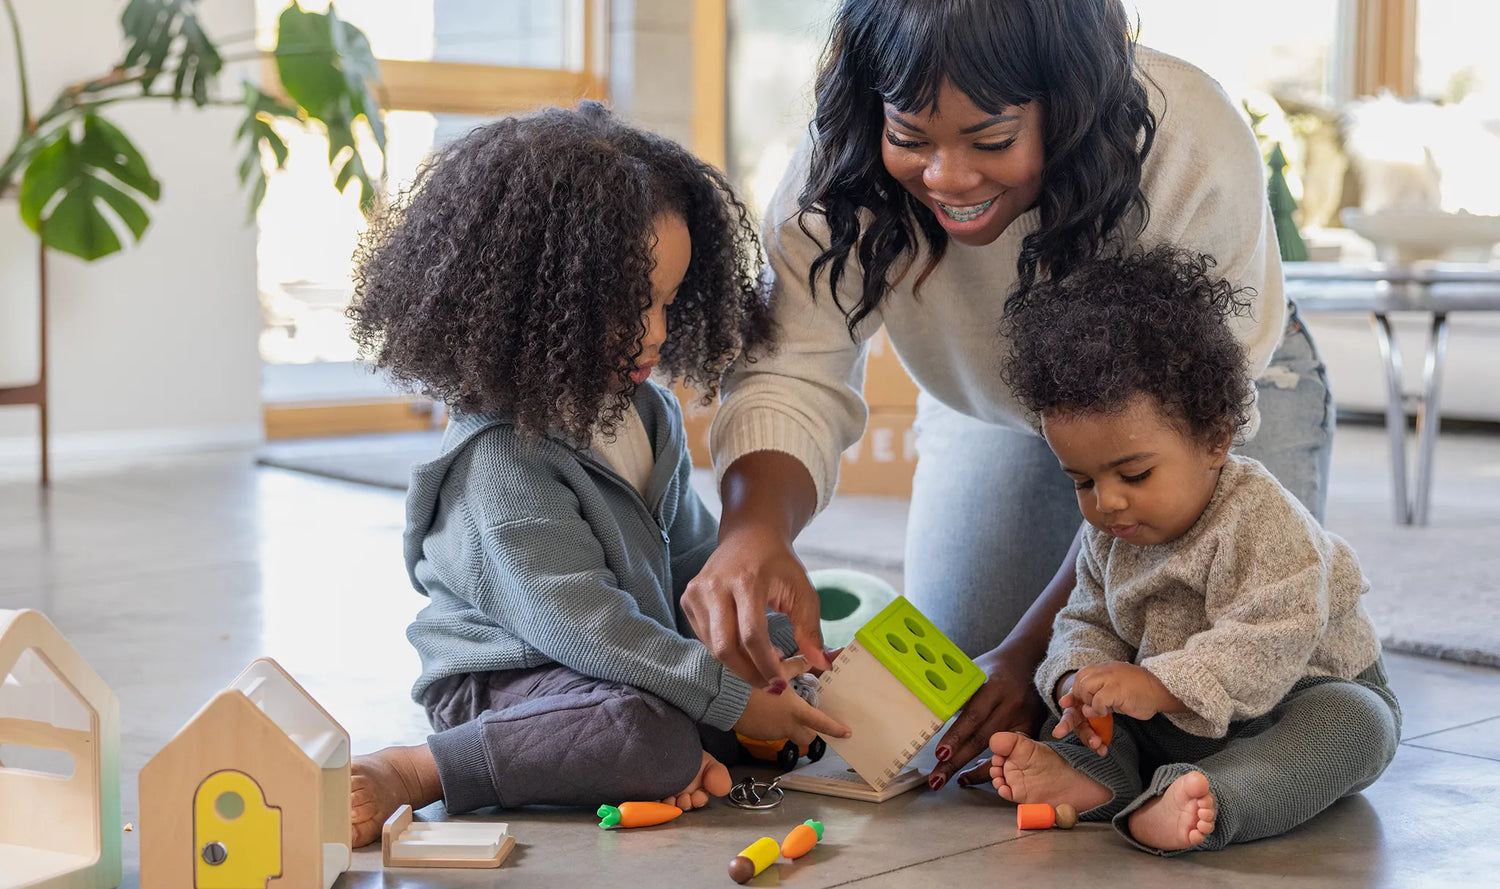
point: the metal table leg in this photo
(1395, 413)
(1429, 414)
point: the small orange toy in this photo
(1104, 727)
(636, 814)
(802, 838)
(1035, 816)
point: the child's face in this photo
(1139, 477)
(672, 251)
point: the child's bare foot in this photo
(384, 781)
(712, 779)
(1181, 818)
(1027, 772)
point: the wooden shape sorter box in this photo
(894, 686)
(59, 823)
(253, 791)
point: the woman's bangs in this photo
(966, 44)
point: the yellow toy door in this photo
(236, 836)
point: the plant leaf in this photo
(76, 226)
(307, 62)
(107, 148)
(50, 170)
(65, 192)
(257, 194)
(150, 28)
(199, 54)
(126, 207)
(271, 139)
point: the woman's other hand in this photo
(1006, 702)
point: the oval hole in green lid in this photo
(926, 653)
(895, 642)
(937, 681)
(915, 627)
(953, 663)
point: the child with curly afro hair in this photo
(535, 277)
(1214, 621)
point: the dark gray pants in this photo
(551, 736)
(1326, 739)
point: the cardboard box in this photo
(887, 383)
(883, 461)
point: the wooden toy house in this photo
(59, 762)
(253, 792)
(894, 686)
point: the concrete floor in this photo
(171, 576)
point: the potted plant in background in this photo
(81, 180)
(81, 184)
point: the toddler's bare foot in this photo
(712, 779)
(1027, 772)
(384, 781)
(1181, 818)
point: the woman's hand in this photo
(726, 605)
(1006, 702)
(768, 496)
(771, 717)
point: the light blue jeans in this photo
(992, 515)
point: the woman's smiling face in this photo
(977, 172)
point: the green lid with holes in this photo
(916, 652)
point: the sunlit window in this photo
(1456, 57)
(307, 230)
(1278, 47)
(773, 55)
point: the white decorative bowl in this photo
(1404, 236)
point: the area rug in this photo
(1435, 590)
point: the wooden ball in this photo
(1067, 816)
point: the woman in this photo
(961, 150)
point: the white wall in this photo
(152, 350)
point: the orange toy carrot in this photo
(636, 814)
(1035, 816)
(1104, 727)
(802, 838)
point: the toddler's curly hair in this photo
(513, 273)
(1144, 322)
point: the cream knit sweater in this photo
(1205, 185)
(1255, 596)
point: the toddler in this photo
(1213, 617)
(537, 274)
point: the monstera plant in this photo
(83, 184)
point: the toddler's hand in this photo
(1074, 721)
(771, 717)
(1118, 687)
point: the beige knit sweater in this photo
(1255, 596)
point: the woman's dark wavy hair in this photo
(1074, 56)
(513, 274)
(1153, 323)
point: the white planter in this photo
(20, 309)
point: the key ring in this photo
(749, 793)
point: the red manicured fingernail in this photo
(936, 781)
(943, 753)
(777, 687)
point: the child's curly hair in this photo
(514, 272)
(1147, 322)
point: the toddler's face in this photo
(672, 251)
(1139, 477)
